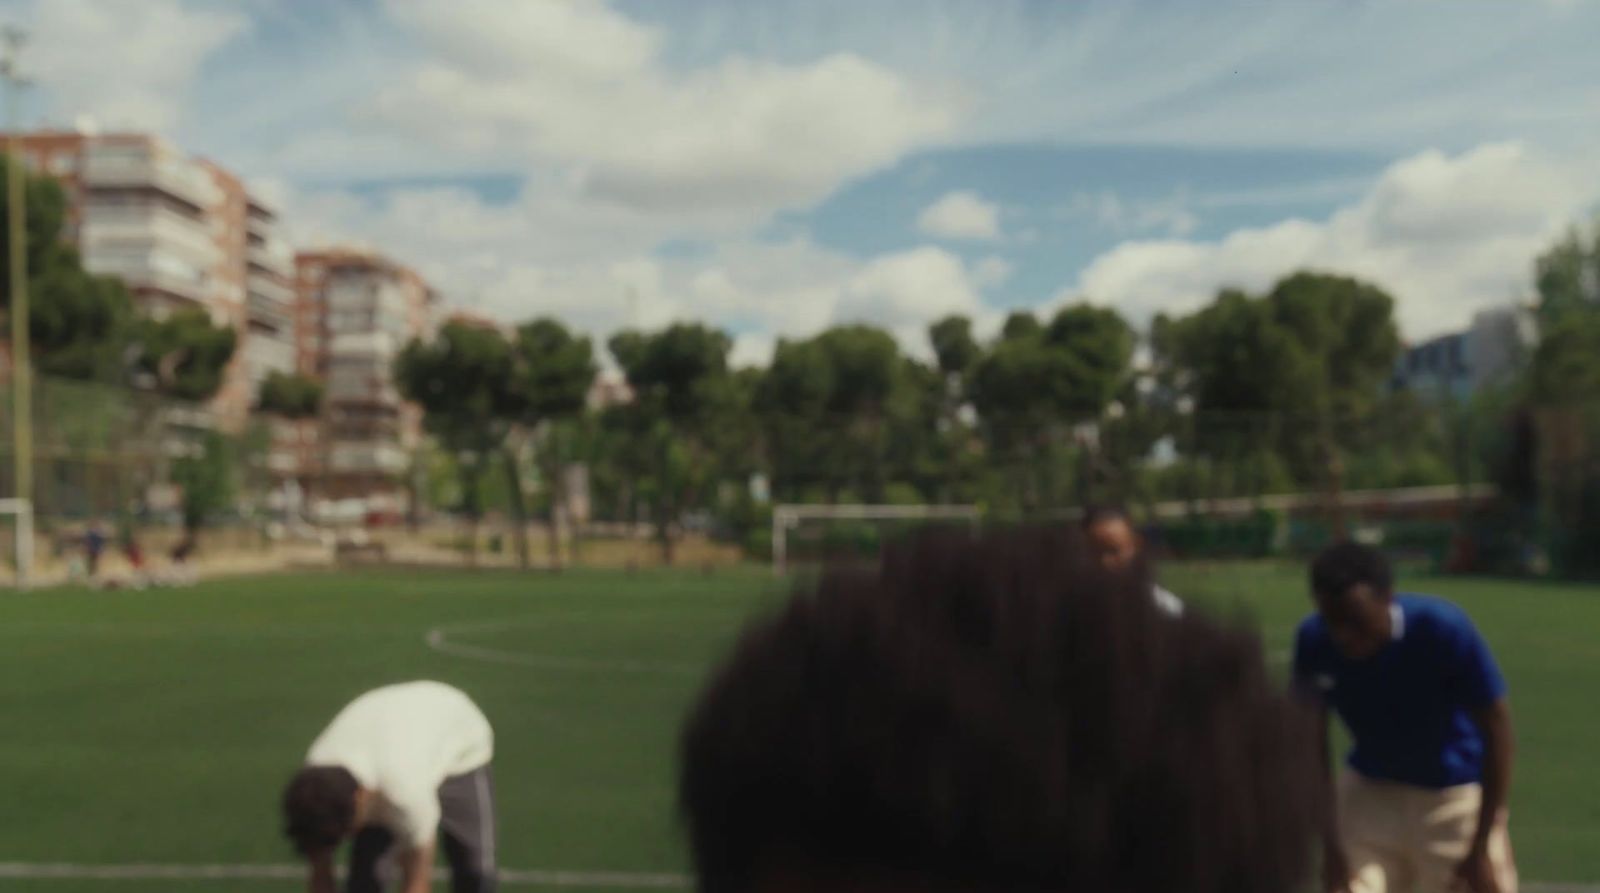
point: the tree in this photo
(1567, 276)
(951, 446)
(679, 376)
(461, 380)
(1036, 380)
(77, 323)
(1563, 381)
(291, 395)
(551, 373)
(185, 355)
(1020, 325)
(1285, 373)
(1565, 367)
(207, 480)
(954, 346)
(831, 403)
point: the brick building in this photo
(181, 232)
(357, 310)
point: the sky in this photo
(778, 166)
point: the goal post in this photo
(21, 510)
(787, 516)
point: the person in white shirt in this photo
(400, 768)
(1120, 549)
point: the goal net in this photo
(18, 514)
(809, 533)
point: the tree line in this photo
(1250, 393)
(1285, 390)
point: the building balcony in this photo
(283, 462)
(150, 226)
(174, 176)
(273, 256)
(270, 313)
(367, 392)
(258, 212)
(271, 288)
(141, 272)
(265, 354)
(379, 345)
(367, 458)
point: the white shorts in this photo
(1400, 838)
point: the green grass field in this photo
(156, 727)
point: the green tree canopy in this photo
(551, 371)
(1281, 373)
(1565, 367)
(1068, 371)
(671, 370)
(682, 393)
(186, 355)
(78, 323)
(290, 395)
(461, 380)
(954, 346)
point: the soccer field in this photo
(155, 728)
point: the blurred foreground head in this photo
(995, 713)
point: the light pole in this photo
(11, 41)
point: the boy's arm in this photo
(1335, 867)
(322, 877)
(1494, 721)
(418, 865)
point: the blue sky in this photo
(777, 166)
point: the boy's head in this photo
(320, 807)
(995, 713)
(1111, 537)
(1354, 589)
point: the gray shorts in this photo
(466, 835)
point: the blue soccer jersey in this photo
(1409, 707)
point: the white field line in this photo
(142, 871)
(70, 871)
(438, 639)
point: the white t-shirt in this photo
(401, 742)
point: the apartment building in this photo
(181, 232)
(357, 310)
(1459, 364)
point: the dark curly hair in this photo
(993, 712)
(1344, 565)
(1099, 513)
(319, 808)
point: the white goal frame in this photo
(22, 509)
(786, 517)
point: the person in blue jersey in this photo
(1421, 805)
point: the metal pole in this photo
(21, 357)
(780, 552)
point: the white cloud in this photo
(1170, 216)
(909, 288)
(580, 84)
(993, 271)
(962, 214)
(1446, 235)
(596, 270)
(125, 65)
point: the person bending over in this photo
(1422, 803)
(400, 768)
